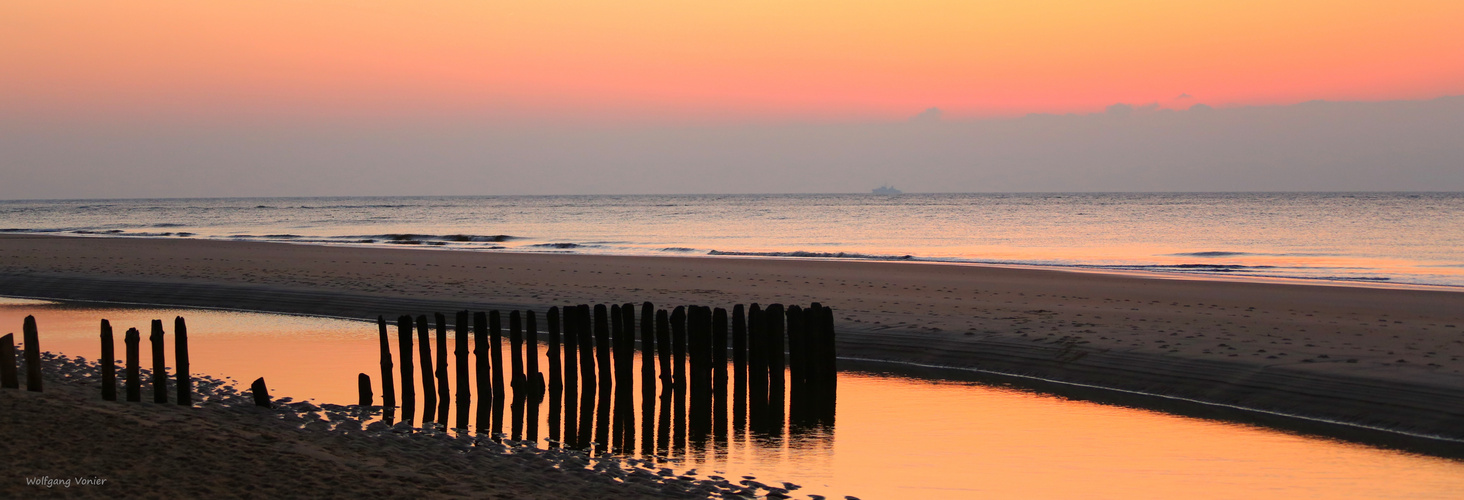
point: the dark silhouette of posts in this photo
(534, 378)
(482, 371)
(617, 341)
(739, 368)
(495, 335)
(602, 346)
(586, 347)
(180, 351)
(33, 356)
(648, 377)
(678, 375)
(388, 392)
(570, 365)
(363, 390)
(261, 393)
(133, 339)
(404, 353)
(830, 367)
(460, 356)
(699, 327)
(108, 364)
(719, 373)
(444, 391)
(160, 367)
(556, 376)
(796, 364)
(757, 367)
(9, 376)
(516, 339)
(625, 376)
(776, 377)
(429, 381)
(663, 352)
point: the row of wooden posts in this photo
(685, 352)
(132, 383)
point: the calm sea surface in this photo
(1406, 238)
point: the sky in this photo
(184, 98)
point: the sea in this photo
(1366, 239)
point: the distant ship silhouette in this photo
(886, 190)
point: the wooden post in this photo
(180, 351)
(261, 393)
(482, 371)
(617, 341)
(531, 359)
(776, 364)
(796, 371)
(404, 355)
(108, 364)
(698, 330)
(831, 365)
(626, 376)
(602, 346)
(429, 381)
(648, 351)
(363, 390)
(444, 390)
(813, 352)
(388, 391)
(739, 367)
(678, 376)
(571, 362)
(757, 366)
(160, 367)
(33, 355)
(519, 382)
(663, 352)
(495, 335)
(587, 347)
(133, 339)
(719, 372)
(9, 376)
(556, 374)
(460, 351)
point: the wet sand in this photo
(1385, 363)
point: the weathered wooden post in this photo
(534, 378)
(796, 369)
(404, 353)
(160, 367)
(33, 356)
(363, 390)
(460, 352)
(699, 344)
(495, 334)
(678, 376)
(830, 366)
(516, 360)
(587, 347)
(429, 381)
(482, 371)
(663, 352)
(739, 368)
(602, 347)
(776, 377)
(180, 351)
(648, 351)
(571, 359)
(444, 390)
(388, 392)
(813, 352)
(108, 364)
(556, 369)
(757, 366)
(9, 375)
(617, 339)
(133, 339)
(261, 393)
(719, 372)
(626, 376)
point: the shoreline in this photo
(1012, 323)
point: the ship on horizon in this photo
(886, 190)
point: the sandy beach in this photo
(1372, 364)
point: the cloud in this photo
(931, 115)
(1184, 96)
(1201, 107)
(1119, 109)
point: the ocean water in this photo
(1360, 238)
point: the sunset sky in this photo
(699, 61)
(189, 98)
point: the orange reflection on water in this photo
(895, 437)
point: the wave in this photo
(559, 245)
(678, 249)
(1216, 253)
(820, 255)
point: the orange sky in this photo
(692, 60)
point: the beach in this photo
(1373, 364)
